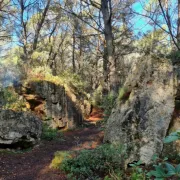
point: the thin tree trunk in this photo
(73, 53)
(178, 25)
(40, 24)
(107, 13)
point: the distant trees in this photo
(165, 15)
(100, 16)
(155, 42)
(86, 37)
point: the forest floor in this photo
(34, 164)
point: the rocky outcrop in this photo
(172, 149)
(61, 108)
(19, 127)
(144, 111)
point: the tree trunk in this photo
(73, 53)
(178, 25)
(107, 13)
(39, 25)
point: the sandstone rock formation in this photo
(144, 112)
(19, 127)
(173, 149)
(63, 108)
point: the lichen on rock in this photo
(142, 121)
(19, 127)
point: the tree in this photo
(162, 12)
(100, 15)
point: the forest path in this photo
(34, 164)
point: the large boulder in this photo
(172, 150)
(57, 104)
(144, 109)
(19, 128)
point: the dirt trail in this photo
(34, 165)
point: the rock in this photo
(19, 127)
(63, 108)
(177, 70)
(141, 120)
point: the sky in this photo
(140, 23)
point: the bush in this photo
(58, 159)
(49, 133)
(96, 99)
(107, 104)
(11, 100)
(68, 79)
(94, 164)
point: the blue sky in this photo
(140, 23)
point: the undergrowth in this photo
(11, 100)
(69, 80)
(94, 164)
(49, 133)
(107, 104)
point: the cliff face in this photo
(141, 120)
(61, 109)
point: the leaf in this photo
(139, 163)
(171, 138)
(155, 157)
(171, 169)
(154, 173)
(178, 169)
(132, 165)
(160, 172)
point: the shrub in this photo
(66, 78)
(49, 133)
(11, 100)
(93, 164)
(107, 104)
(96, 99)
(165, 170)
(58, 159)
(137, 173)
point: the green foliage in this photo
(15, 151)
(72, 82)
(96, 99)
(94, 164)
(114, 175)
(123, 94)
(58, 158)
(11, 100)
(166, 170)
(154, 42)
(174, 55)
(137, 173)
(49, 133)
(107, 104)
(172, 137)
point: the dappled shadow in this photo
(34, 164)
